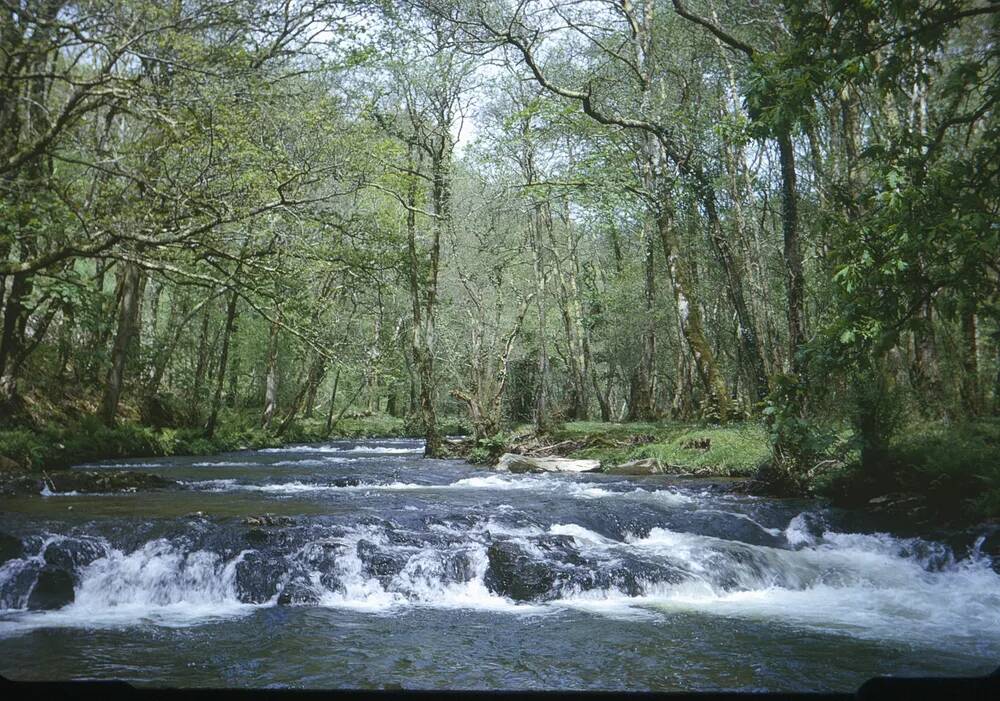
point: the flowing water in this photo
(377, 567)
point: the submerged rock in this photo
(509, 462)
(16, 584)
(805, 529)
(52, 590)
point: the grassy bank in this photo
(55, 446)
(936, 470)
(731, 450)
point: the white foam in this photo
(310, 462)
(359, 450)
(297, 487)
(46, 492)
(119, 465)
(159, 583)
(863, 585)
(580, 534)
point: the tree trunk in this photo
(128, 316)
(602, 399)
(316, 374)
(540, 408)
(227, 335)
(795, 281)
(271, 380)
(372, 398)
(642, 402)
(996, 379)
(203, 358)
(924, 371)
(571, 306)
(689, 314)
(423, 295)
(970, 362)
(747, 337)
(333, 400)
(12, 338)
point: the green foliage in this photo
(878, 411)
(731, 450)
(797, 443)
(956, 467)
(487, 450)
(22, 446)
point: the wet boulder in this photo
(259, 577)
(644, 466)
(19, 578)
(459, 567)
(257, 536)
(53, 589)
(70, 554)
(561, 548)
(932, 556)
(321, 555)
(805, 529)
(514, 574)
(519, 464)
(379, 562)
(634, 576)
(298, 592)
(572, 570)
(11, 548)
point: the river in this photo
(376, 567)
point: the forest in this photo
(231, 223)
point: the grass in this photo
(55, 446)
(730, 450)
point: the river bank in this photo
(57, 446)
(938, 475)
(935, 474)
